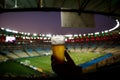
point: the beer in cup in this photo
(58, 47)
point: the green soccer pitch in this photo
(41, 62)
(44, 62)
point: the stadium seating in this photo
(3, 58)
(30, 52)
(9, 54)
(95, 44)
(20, 53)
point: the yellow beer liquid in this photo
(58, 52)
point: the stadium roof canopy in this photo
(82, 7)
(105, 7)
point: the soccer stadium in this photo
(27, 55)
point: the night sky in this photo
(49, 22)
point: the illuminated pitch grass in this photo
(44, 62)
(14, 68)
(83, 57)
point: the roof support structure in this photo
(59, 10)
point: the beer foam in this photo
(57, 39)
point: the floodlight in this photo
(34, 34)
(117, 25)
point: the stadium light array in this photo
(28, 34)
(68, 35)
(9, 30)
(22, 32)
(2, 28)
(91, 34)
(25, 33)
(102, 32)
(40, 34)
(75, 35)
(84, 34)
(106, 31)
(96, 32)
(80, 35)
(14, 31)
(48, 35)
(43, 35)
(117, 25)
(34, 34)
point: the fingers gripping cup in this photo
(58, 47)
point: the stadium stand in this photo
(20, 53)
(3, 58)
(91, 65)
(31, 52)
(9, 54)
(39, 51)
(31, 47)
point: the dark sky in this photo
(48, 22)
